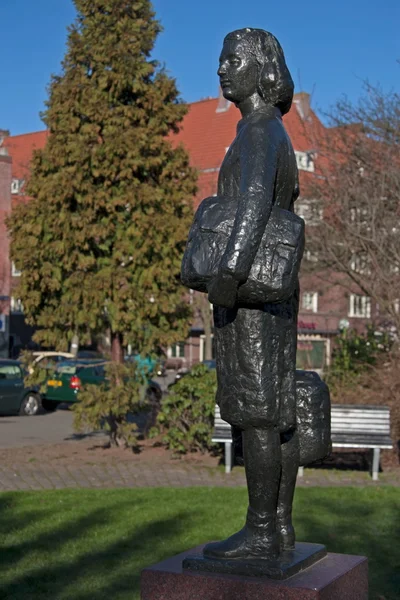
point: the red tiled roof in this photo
(21, 148)
(205, 132)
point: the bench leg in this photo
(228, 457)
(375, 464)
(300, 472)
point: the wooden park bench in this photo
(352, 426)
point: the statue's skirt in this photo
(256, 362)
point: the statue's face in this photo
(238, 71)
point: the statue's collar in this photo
(267, 110)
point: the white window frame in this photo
(360, 264)
(14, 271)
(16, 185)
(203, 346)
(305, 161)
(16, 306)
(309, 301)
(359, 306)
(178, 348)
(309, 211)
(310, 256)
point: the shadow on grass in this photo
(113, 567)
(365, 524)
(93, 545)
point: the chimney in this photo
(223, 104)
(3, 134)
(302, 103)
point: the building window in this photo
(203, 347)
(305, 161)
(360, 264)
(10, 372)
(311, 256)
(178, 350)
(310, 301)
(16, 186)
(360, 306)
(14, 271)
(16, 305)
(309, 211)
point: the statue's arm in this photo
(258, 165)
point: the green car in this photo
(71, 375)
(15, 397)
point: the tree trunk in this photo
(205, 313)
(208, 341)
(74, 345)
(117, 354)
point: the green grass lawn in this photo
(92, 544)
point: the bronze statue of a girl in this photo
(244, 249)
(256, 345)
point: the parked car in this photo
(71, 375)
(211, 364)
(147, 364)
(15, 397)
(48, 358)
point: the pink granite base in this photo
(335, 577)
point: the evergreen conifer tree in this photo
(100, 242)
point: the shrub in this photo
(110, 406)
(36, 374)
(365, 371)
(355, 354)
(186, 418)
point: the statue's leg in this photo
(259, 537)
(290, 465)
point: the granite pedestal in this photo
(288, 564)
(334, 577)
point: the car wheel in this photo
(154, 394)
(31, 405)
(49, 406)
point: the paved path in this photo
(49, 428)
(32, 449)
(136, 474)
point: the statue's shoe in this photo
(244, 545)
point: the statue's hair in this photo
(275, 84)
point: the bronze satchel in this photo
(313, 417)
(274, 273)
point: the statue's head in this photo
(252, 60)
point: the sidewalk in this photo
(80, 465)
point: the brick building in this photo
(5, 269)
(207, 131)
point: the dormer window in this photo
(16, 186)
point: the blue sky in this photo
(330, 47)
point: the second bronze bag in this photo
(313, 415)
(273, 276)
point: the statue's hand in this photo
(222, 291)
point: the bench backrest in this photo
(218, 422)
(371, 420)
(344, 418)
